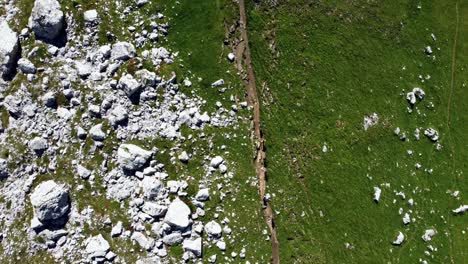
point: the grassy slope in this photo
(338, 61)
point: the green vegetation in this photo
(321, 67)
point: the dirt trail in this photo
(257, 131)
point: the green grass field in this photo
(321, 67)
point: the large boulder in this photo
(132, 158)
(194, 246)
(152, 187)
(118, 116)
(178, 215)
(97, 246)
(38, 145)
(129, 85)
(50, 201)
(122, 51)
(9, 50)
(47, 20)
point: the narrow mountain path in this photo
(257, 131)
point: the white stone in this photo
(96, 133)
(118, 115)
(122, 51)
(461, 209)
(26, 66)
(50, 201)
(218, 83)
(399, 240)
(203, 195)
(377, 192)
(213, 229)
(91, 16)
(131, 157)
(231, 57)
(97, 246)
(178, 215)
(216, 161)
(194, 246)
(152, 187)
(117, 229)
(47, 20)
(129, 85)
(9, 49)
(184, 157)
(428, 234)
(3, 168)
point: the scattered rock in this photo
(47, 20)
(194, 246)
(50, 201)
(3, 168)
(26, 66)
(178, 215)
(399, 240)
(377, 192)
(9, 50)
(461, 209)
(428, 234)
(91, 16)
(132, 158)
(97, 246)
(96, 133)
(122, 51)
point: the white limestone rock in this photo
(428, 234)
(26, 66)
(399, 239)
(154, 209)
(173, 238)
(461, 209)
(142, 240)
(118, 116)
(97, 246)
(96, 133)
(9, 49)
(50, 201)
(377, 192)
(184, 157)
(132, 158)
(218, 83)
(47, 20)
(178, 215)
(38, 145)
(152, 187)
(203, 195)
(194, 246)
(91, 16)
(216, 161)
(83, 172)
(129, 85)
(213, 229)
(122, 51)
(117, 229)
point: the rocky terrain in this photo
(79, 123)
